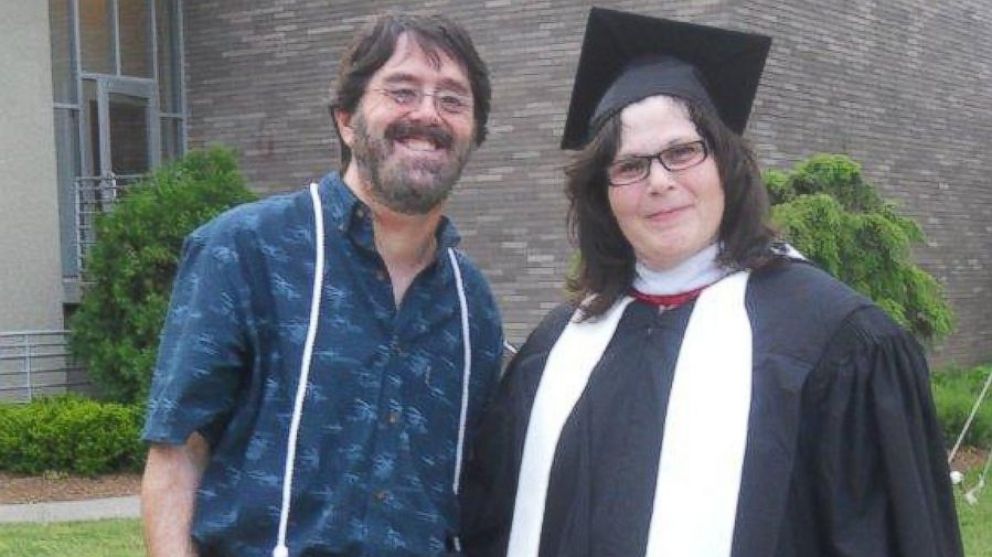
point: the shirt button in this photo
(360, 213)
(380, 496)
(381, 275)
(394, 417)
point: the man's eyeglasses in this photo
(629, 170)
(444, 101)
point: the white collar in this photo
(699, 270)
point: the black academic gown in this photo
(844, 454)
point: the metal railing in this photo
(35, 363)
(95, 195)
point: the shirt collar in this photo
(699, 270)
(352, 217)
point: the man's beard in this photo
(410, 186)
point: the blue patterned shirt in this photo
(376, 450)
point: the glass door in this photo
(121, 120)
(120, 143)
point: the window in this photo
(97, 41)
(63, 52)
(118, 99)
(134, 28)
(169, 62)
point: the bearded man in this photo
(327, 352)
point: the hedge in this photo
(71, 434)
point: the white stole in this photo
(705, 434)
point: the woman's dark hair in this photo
(375, 45)
(606, 269)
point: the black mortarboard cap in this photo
(628, 57)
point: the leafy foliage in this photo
(954, 395)
(70, 434)
(131, 267)
(827, 211)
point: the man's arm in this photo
(168, 494)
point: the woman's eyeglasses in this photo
(631, 169)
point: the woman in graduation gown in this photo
(708, 394)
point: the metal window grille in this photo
(94, 196)
(37, 363)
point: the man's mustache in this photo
(404, 129)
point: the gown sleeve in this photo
(875, 449)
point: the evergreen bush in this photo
(70, 434)
(130, 269)
(827, 211)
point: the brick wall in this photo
(904, 88)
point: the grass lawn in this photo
(122, 538)
(976, 520)
(102, 538)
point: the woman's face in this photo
(668, 216)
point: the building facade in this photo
(903, 86)
(107, 89)
(29, 224)
(92, 100)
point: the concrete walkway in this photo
(68, 511)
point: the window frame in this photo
(118, 82)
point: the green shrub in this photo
(827, 211)
(70, 434)
(955, 393)
(129, 271)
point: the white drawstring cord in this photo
(510, 347)
(280, 550)
(971, 416)
(466, 378)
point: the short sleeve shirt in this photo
(375, 459)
